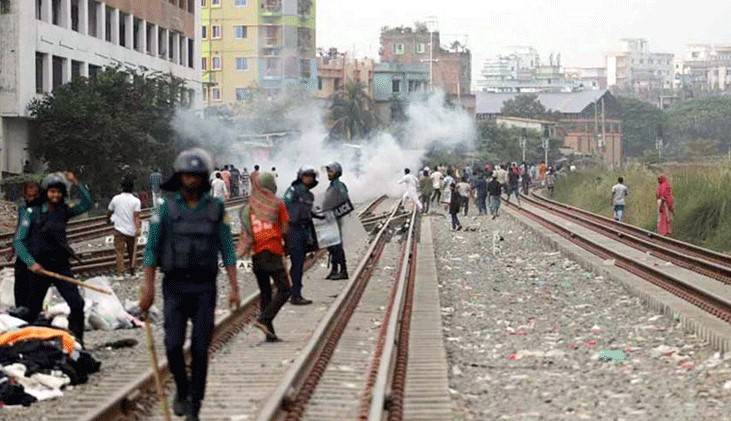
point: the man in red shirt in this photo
(264, 223)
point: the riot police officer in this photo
(299, 200)
(41, 243)
(185, 238)
(337, 201)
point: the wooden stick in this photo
(74, 281)
(156, 370)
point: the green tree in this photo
(496, 143)
(705, 119)
(109, 126)
(352, 113)
(526, 106)
(642, 123)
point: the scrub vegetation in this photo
(702, 199)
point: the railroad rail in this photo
(99, 261)
(132, 394)
(94, 227)
(702, 291)
(706, 262)
(383, 390)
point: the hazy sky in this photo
(581, 30)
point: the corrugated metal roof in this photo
(563, 102)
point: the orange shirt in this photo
(226, 176)
(542, 170)
(268, 236)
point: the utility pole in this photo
(431, 23)
(545, 142)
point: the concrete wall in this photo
(9, 35)
(14, 133)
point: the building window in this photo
(204, 32)
(398, 49)
(216, 31)
(240, 3)
(242, 94)
(216, 94)
(242, 64)
(204, 63)
(216, 63)
(203, 3)
(39, 9)
(56, 12)
(395, 86)
(420, 48)
(240, 31)
(39, 73)
(216, 3)
(319, 83)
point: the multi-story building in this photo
(521, 70)
(450, 67)
(335, 70)
(705, 67)
(266, 44)
(587, 77)
(395, 83)
(46, 43)
(635, 67)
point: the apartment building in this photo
(46, 43)
(336, 70)
(635, 67)
(450, 66)
(706, 67)
(247, 44)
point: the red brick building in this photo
(450, 68)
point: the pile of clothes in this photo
(38, 362)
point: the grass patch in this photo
(702, 199)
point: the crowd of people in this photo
(190, 229)
(455, 188)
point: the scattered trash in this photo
(614, 355)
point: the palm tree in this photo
(352, 112)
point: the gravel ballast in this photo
(530, 334)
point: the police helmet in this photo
(191, 161)
(306, 170)
(335, 166)
(194, 161)
(57, 180)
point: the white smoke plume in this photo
(371, 167)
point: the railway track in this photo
(693, 279)
(130, 395)
(102, 260)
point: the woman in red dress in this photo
(665, 206)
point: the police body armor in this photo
(191, 242)
(47, 239)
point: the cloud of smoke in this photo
(371, 167)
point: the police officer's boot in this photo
(343, 274)
(333, 271)
(193, 411)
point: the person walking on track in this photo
(455, 204)
(514, 182)
(264, 223)
(481, 193)
(426, 189)
(412, 189)
(494, 189)
(337, 200)
(124, 212)
(42, 244)
(185, 239)
(437, 178)
(619, 198)
(299, 200)
(665, 206)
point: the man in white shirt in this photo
(412, 188)
(124, 211)
(502, 177)
(218, 187)
(437, 179)
(619, 196)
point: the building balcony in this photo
(271, 9)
